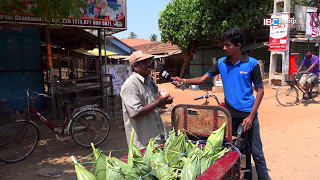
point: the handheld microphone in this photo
(165, 75)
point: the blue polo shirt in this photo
(237, 82)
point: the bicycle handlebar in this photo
(207, 96)
(197, 98)
(37, 94)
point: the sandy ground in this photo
(289, 135)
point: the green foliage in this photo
(99, 163)
(56, 9)
(311, 3)
(192, 22)
(153, 37)
(132, 35)
(178, 159)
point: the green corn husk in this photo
(113, 171)
(220, 154)
(155, 157)
(158, 161)
(142, 167)
(192, 167)
(82, 172)
(189, 145)
(215, 140)
(171, 137)
(127, 170)
(193, 149)
(149, 150)
(208, 159)
(130, 152)
(99, 163)
(176, 148)
(174, 175)
(188, 166)
(133, 150)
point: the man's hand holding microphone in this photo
(174, 80)
(178, 81)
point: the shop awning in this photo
(95, 52)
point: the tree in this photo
(193, 23)
(153, 37)
(132, 35)
(56, 9)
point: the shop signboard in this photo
(279, 32)
(111, 14)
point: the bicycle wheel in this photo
(7, 115)
(287, 95)
(315, 92)
(90, 126)
(18, 140)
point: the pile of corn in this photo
(179, 158)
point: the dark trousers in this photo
(253, 147)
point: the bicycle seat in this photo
(70, 101)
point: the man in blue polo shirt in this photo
(238, 72)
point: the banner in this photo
(109, 14)
(279, 33)
(312, 24)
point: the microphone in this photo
(165, 75)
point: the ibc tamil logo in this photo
(277, 21)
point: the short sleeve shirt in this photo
(308, 62)
(237, 82)
(137, 92)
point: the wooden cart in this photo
(201, 120)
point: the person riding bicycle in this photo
(311, 62)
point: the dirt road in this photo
(289, 135)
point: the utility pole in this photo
(284, 53)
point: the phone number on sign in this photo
(77, 21)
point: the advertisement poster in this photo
(119, 72)
(98, 14)
(312, 24)
(279, 33)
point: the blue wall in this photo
(20, 66)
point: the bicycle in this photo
(85, 125)
(7, 114)
(239, 141)
(239, 137)
(288, 95)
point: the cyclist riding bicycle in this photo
(311, 61)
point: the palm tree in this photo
(153, 37)
(132, 35)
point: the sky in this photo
(143, 18)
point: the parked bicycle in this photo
(288, 95)
(85, 125)
(7, 114)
